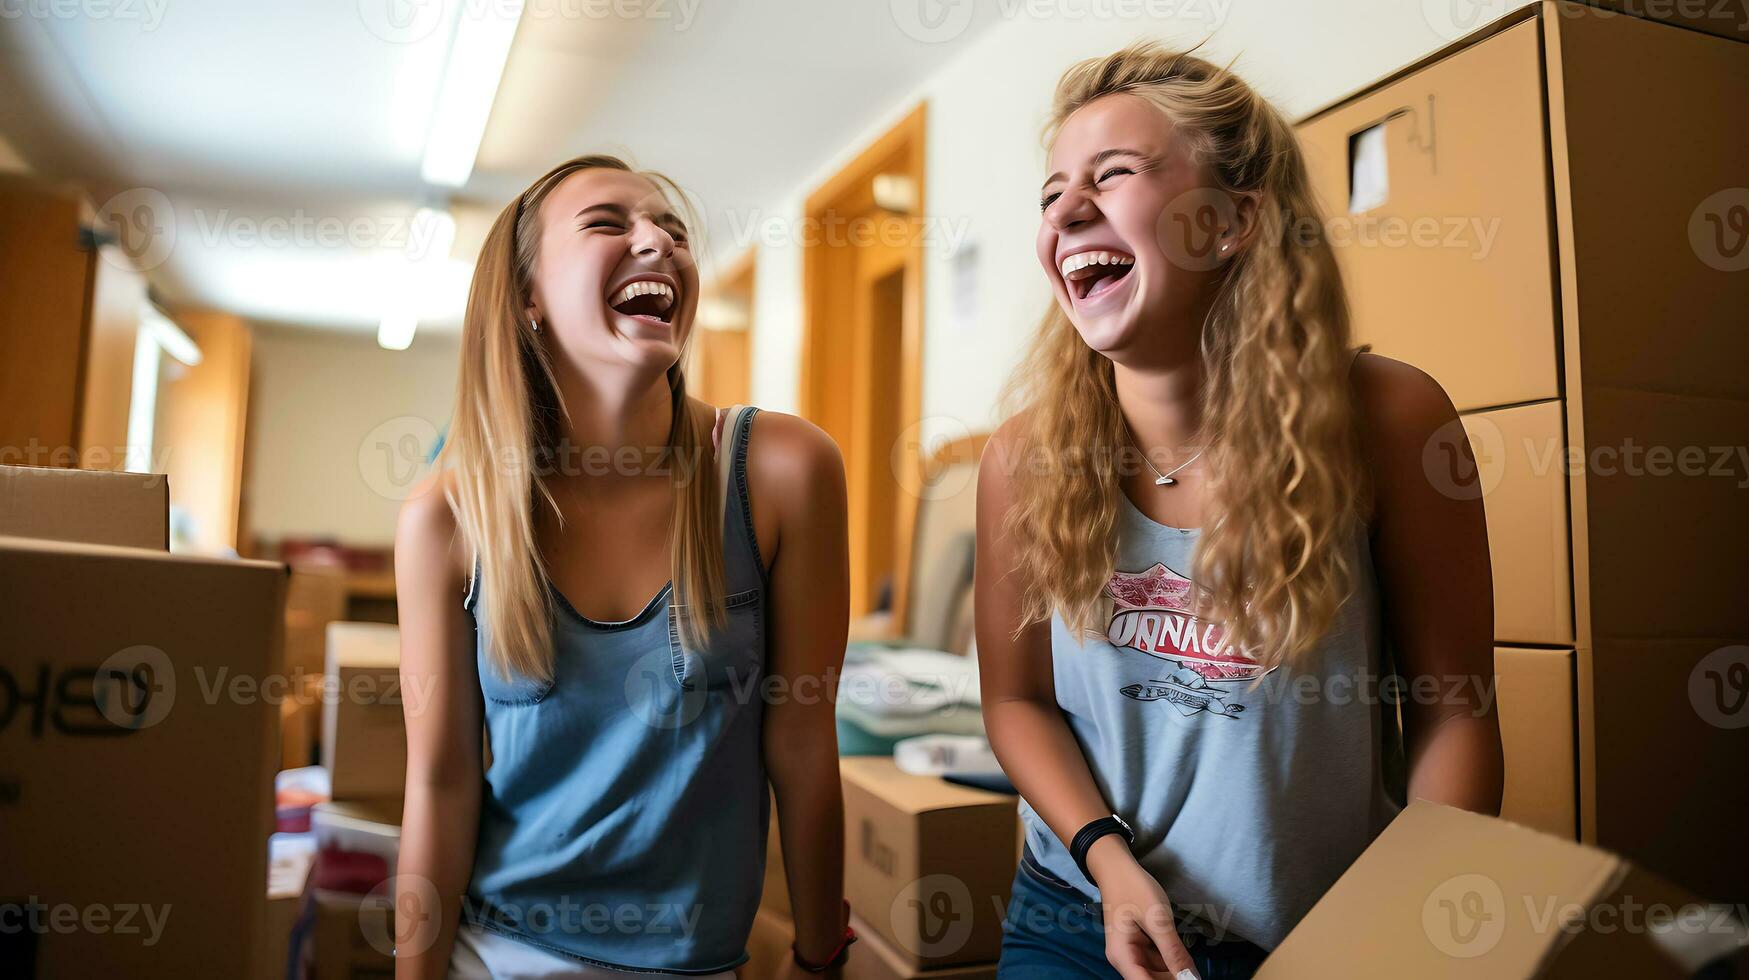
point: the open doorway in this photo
(862, 364)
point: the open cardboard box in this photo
(1448, 893)
(137, 742)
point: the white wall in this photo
(985, 162)
(337, 426)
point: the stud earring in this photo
(533, 325)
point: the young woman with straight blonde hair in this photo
(607, 575)
(1204, 540)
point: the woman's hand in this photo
(1141, 941)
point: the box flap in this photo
(1446, 892)
(96, 506)
(913, 794)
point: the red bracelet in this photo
(840, 953)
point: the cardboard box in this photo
(360, 827)
(928, 864)
(1450, 267)
(872, 958)
(1448, 893)
(775, 896)
(1521, 457)
(768, 946)
(137, 754)
(352, 937)
(300, 717)
(364, 737)
(131, 510)
(315, 597)
(1534, 694)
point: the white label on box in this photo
(1369, 182)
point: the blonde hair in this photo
(1286, 483)
(508, 415)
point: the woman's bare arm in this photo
(1430, 548)
(440, 693)
(1026, 728)
(797, 468)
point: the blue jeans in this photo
(1053, 932)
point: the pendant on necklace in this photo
(1164, 481)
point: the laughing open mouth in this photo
(650, 299)
(1088, 274)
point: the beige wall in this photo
(338, 427)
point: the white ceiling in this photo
(274, 148)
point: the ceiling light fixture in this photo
(477, 55)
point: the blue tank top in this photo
(1249, 791)
(624, 813)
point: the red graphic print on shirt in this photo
(1151, 613)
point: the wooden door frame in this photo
(849, 193)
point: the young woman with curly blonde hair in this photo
(1204, 539)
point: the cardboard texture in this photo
(1520, 458)
(1614, 289)
(315, 597)
(136, 757)
(351, 937)
(928, 863)
(364, 736)
(131, 510)
(1534, 694)
(872, 958)
(1451, 271)
(1448, 893)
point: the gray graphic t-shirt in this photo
(1250, 790)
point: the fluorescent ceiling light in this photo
(470, 84)
(430, 236)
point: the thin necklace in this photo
(1164, 479)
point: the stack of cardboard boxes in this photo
(358, 832)
(137, 746)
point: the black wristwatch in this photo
(1085, 837)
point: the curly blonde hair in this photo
(1286, 483)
